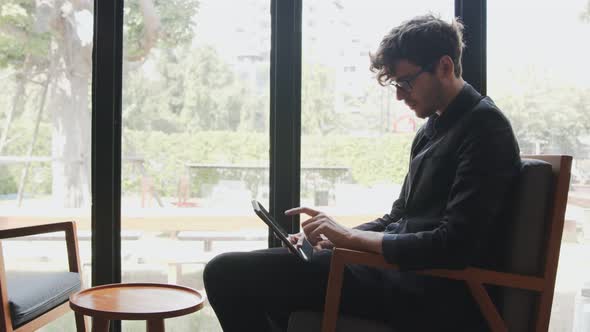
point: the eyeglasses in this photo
(406, 84)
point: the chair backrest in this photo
(534, 235)
(31, 300)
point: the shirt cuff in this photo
(388, 246)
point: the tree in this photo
(207, 82)
(52, 40)
(215, 98)
(549, 116)
(318, 102)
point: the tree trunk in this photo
(70, 110)
(69, 102)
(70, 144)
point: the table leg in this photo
(81, 323)
(155, 325)
(100, 325)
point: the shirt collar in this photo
(464, 101)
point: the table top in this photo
(137, 301)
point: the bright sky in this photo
(544, 34)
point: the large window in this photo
(45, 74)
(537, 74)
(355, 135)
(195, 139)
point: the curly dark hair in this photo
(422, 41)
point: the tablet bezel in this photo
(278, 231)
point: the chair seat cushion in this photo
(30, 294)
(309, 321)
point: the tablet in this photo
(305, 252)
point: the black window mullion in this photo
(473, 14)
(106, 143)
(285, 112)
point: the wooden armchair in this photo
(30, 300)
(536, 228)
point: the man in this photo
(463, 163)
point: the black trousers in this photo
(249, 290)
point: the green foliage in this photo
(165, 155)
(25, 127)
(39, 180)
(177, 18)
(212, 93)
(7, 181)
(371, 160)
(17, 14)
(176, 24)
(192, 93)
(18, 18)
(554, 116)
(318, 100)
(11, 51)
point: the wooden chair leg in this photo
(332, 304)
(487, 307)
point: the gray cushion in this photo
(526, 235)
(30, 294)
(312, 321)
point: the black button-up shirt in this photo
(463, 164)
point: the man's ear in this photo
(446, 67)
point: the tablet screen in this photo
(267, 217)
(305, 252)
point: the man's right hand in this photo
(297, 240)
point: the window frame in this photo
(285, 118)
(107, 60)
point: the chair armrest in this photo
(348, 256)
(10, 230)
(474, 277)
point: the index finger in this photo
(302, 209)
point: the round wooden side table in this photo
(135, 301)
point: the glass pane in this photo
(355, 135)
(538, 75)
(195, 139)
(45, 75)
